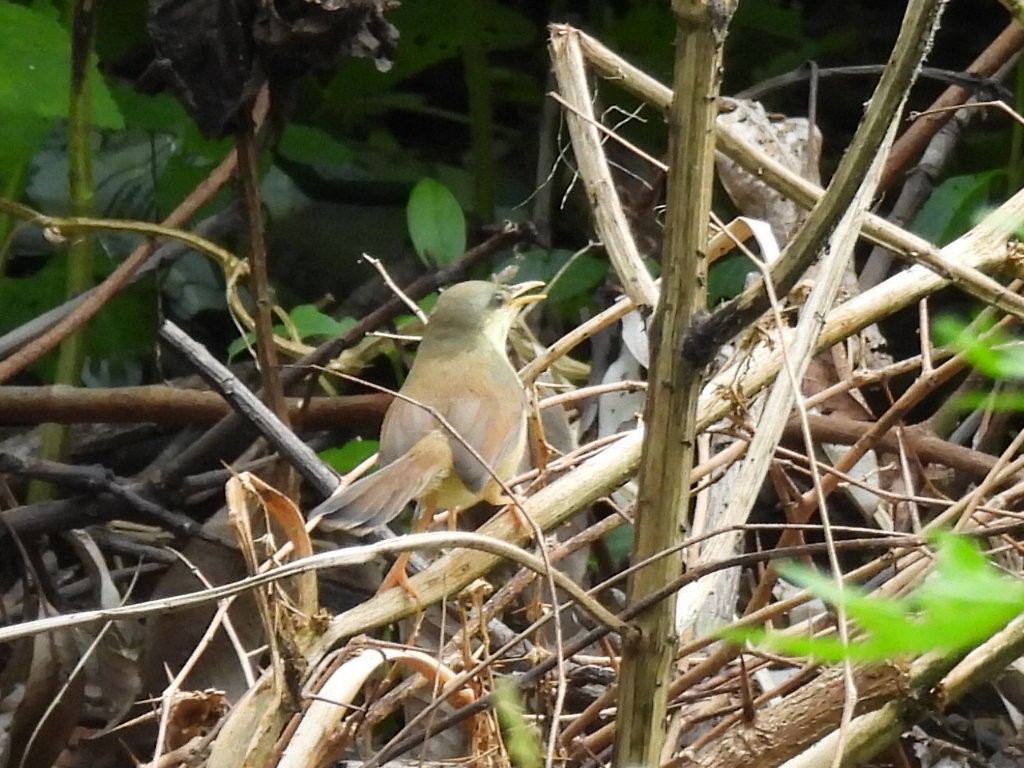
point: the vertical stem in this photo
(670, 419)
(1013, 166)
(248, 174)
(11, 190)
(71, 356)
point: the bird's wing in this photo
(404, 425)
(495, 428)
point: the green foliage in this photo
(570, 277)
(117, 337)
(304, 144)
(727, 277)
(36, 61)
(963, 602)
(995, 354)
(305, 321)
(436, 222)
(956, 205)
(345, 458)
(310, 321)
(619, 543)
(522, 739)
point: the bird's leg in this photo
(397, 576)
(501, 499)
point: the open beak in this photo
(518, 293)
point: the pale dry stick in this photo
(784, 393)
(925, 384)
(925, 336)
(501, 599)
(906, 575)
(799, 460)
(592, 635)
(858, 379)
(809, 500)
(609, 218)
(908, 479)
(595, 391)
(529, 374)
(998, 104)
(238, 492)
(909, 570)
(1001, 472)
(609, 132)
(337, 558)
(964, 275)
(386, 277)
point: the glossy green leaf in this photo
(436, 223)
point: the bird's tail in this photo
(374, 501)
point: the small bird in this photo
(461, 372)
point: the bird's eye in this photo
(497, 299)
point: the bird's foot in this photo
(515, 508)
(398, 577)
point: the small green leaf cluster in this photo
(963, 602)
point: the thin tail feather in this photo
(374, 501)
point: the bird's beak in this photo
(518, 293)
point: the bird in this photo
(462, 374)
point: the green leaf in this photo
(158, 112)
(577, 274)
(345, 458)
(965, 601)
(985, 353)
(955, 206)
(581, 277)
(21, 136)
(522, 737)
(436, 223)
(312, 146)
(728, 277)
(35, 58)
(310, 321)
